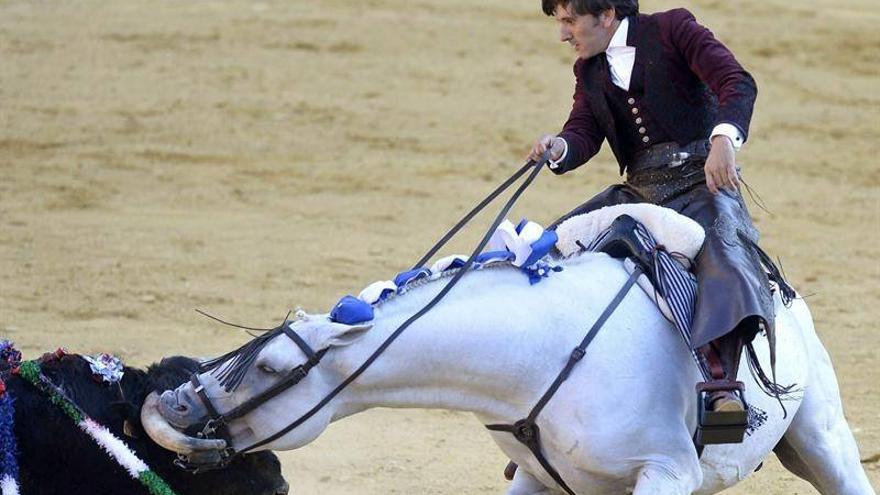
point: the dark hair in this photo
(622, 8)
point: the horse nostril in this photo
(171, 404)
(283, 489)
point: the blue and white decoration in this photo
(8, 447)
(525, 246)
(106, 367)
(10, 357)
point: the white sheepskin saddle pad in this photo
(674, 231)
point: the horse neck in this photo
(439, 368)
(480, 350)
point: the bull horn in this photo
(165, 435)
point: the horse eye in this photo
(267, 369)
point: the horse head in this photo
(242, 401)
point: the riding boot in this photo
(724, 356)
(722, 415)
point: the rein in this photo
(217, 423)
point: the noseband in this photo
(216, 426)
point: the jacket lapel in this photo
(595, 75)
(634, 39)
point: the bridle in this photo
(525, 431)
(217, 423)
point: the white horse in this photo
(622, 422)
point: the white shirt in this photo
(621, 59)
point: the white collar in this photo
(619, 38)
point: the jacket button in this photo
(638, 120)
(631, 101)
(635, 111)
(646, 139)
(642, 130)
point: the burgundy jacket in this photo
(689, 82)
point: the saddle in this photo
(631, 232)
(676, 232)
(673, 289)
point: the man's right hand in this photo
(554, 143)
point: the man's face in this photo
(588, 34)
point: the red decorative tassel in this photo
(54, 356)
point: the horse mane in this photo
(231, 367)
(422, 282)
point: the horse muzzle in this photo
(164, 433)
(181, 409)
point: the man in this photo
(674, 105)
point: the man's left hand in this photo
(721, 166)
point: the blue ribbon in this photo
(494, 256)
(8, 445)
(409, 276)
(540, 270)
(541, 247)
(350, 310)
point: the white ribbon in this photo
(520, 244)
(373, 292)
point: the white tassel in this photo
(115, 447)
(8, 486)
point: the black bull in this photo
(56, 457)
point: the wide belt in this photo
(669, 155)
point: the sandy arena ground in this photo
(250, 157)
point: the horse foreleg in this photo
(819, 446)
(525, 484)
(792, 461)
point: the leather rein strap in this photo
(218, 424)
(526, 430)
(536, 166)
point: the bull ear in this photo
(332, 334)
(131, 424)
(130, 430)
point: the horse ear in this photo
(335, 334)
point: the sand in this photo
(246, 158)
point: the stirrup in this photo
(718, 427)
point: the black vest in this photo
(678, 105)
(634, 125)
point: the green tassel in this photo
(155, 484)
(68, 408)
(30, 371)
